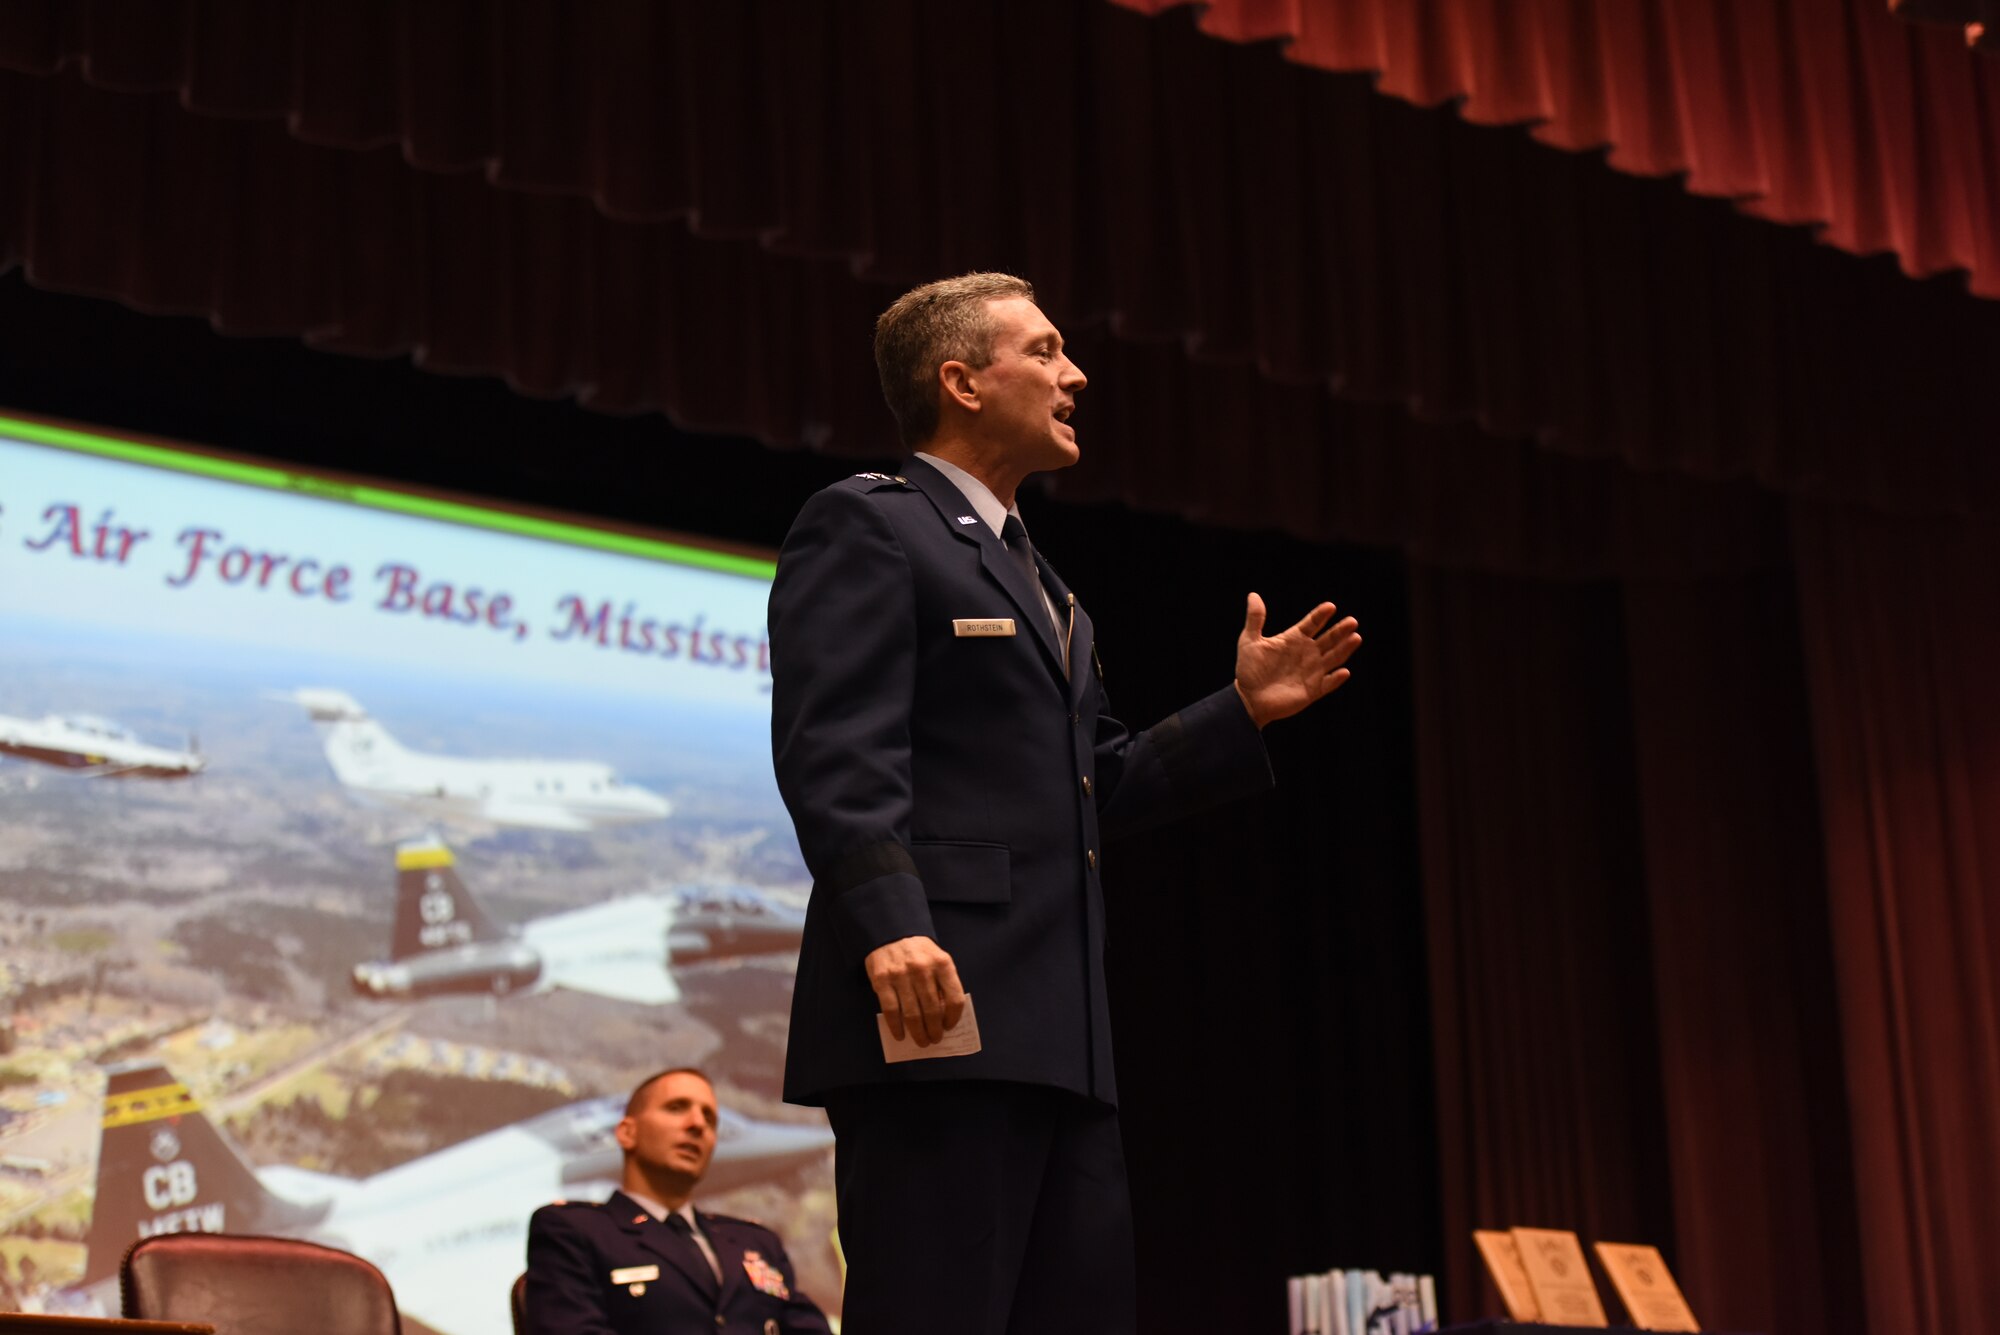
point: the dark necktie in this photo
(1023, 551)
(680, 1228)
(1015, 535)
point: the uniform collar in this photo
(660, 1211)
(977, 494)
(929, 476)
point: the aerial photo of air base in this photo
(369, 951)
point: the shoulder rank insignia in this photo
(764, 1276)
(885, 477)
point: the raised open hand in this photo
(1279, 675)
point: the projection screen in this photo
(359, 851)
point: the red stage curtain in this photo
(1803, 111)
(1757, 1149)
(1630, 974)
(1548, 1080)
(174, 213)
(1900, 644)
(1809, 111)
(1219, 445)
(1199, 195)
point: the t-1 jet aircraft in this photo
(443, 942)
(94, 746)
(448, 1229)
(570, 795)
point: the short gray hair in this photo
(926, 327)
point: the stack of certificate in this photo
(1361, 1302)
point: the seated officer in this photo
(646, 1262)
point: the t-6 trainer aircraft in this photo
(444, 942)
(570, 795)
(94, 746)
(725, 922)
(448, 1229)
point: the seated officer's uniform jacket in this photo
(948, 779)
(598, 1269)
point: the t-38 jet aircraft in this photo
(94, 746)
(443, 942)
(570, 795)
(448, 1229)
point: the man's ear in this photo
(626, 1133)
(959, 385)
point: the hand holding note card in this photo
(961, 1040)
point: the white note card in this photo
(961, 1040)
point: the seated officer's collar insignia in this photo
(764, 1276)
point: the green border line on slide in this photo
(382, 498)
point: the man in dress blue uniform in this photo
(940, 742)
(646, 1262)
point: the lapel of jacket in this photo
(1080, 634)
(656, 1238)
(1000, 567)
(728, 1255)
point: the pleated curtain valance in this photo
(1882, 135)
(1300, 281)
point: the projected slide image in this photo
(336, 918)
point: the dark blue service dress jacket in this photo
(952, 782)
(613, 1269)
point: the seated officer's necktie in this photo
(1015, 535)
(678, 1225)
